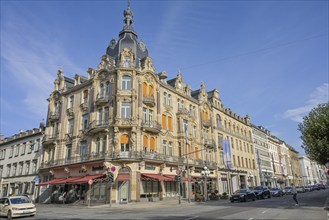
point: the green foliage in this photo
(315, 133)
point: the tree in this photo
(315, 133)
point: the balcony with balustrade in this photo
(149, 101)
(101, 99)
(97, 126)
(54, 116)
(151, 126)
(49, 139)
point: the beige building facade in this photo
(125, 132)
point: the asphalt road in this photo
(283, 208)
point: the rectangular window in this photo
(169, 99)
(144, 115)
(85, 118)
(4, 154)
(34, 168)
(165, 98)
(85, 96)
(83, 149)
(30, 147)
(151, 117)
(14, 169)
(164, 122)
(1, 170)
(170, 149)
(125, 110)
(16, 150)
(70, 126)
(164, 147)
(8, 170)
(170, 123)
(71, 101)
(37, 145)
(27, 167)
(20, 168)
(68, 153)
(126, 83)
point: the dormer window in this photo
(126, 61)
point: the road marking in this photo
(265, 211)
(250, 218)
(192, 217)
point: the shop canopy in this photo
(155, 177)
(184, 179)
(85, 179)
(66, 180)
(51, 182)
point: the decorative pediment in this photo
(147, 64)
(106, 63)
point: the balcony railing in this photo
(97, 126)
(209, 143)
(54, 116)
(49, 139)
(152, 126)
(102, 99)
(149, 100)
(206, 123)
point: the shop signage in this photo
(108, 178)
(149, 167)
(97, 168)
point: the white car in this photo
(16, 206)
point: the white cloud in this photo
(320, 95)
(32, 56)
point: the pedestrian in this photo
(294, 193)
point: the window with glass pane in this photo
(85, 96)
(169, 99)
(34, 168)
(98, 143)
(108, 88)
(106, 115)
(68, 152)
(83, 149)
(101, 91)
(20, 168)
(27, 170)
(124, 143)
(125, 110)
(165, 98)
(151, 117)
(71, 126)
(85, 118)
(126, 83)
(144, 115)
(170, 149)
(71, 101)
(8, 170)
(164, 147)
(104, 145)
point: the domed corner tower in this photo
(128, 39)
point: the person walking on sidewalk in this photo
(294, 193)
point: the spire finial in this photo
(128, 3)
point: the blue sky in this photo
(269, 59)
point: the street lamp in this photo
(205, 173)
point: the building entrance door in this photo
(123, 191)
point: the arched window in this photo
(124, 140)
(145, 143)
(126, 83)
(152, 145)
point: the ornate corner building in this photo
(128, 120)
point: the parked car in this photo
(276, 192)
(262, 192)
(307, 188)
(287, 190)
(300, 189)
(16, 206)
(243, 195)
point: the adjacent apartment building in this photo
(20, 157)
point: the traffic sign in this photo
(90, 182)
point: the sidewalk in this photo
(134, 205)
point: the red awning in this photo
(184, 179)
(67, 180)
(52, 182)
(123, 177)
(158, 177)
(85, 179)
